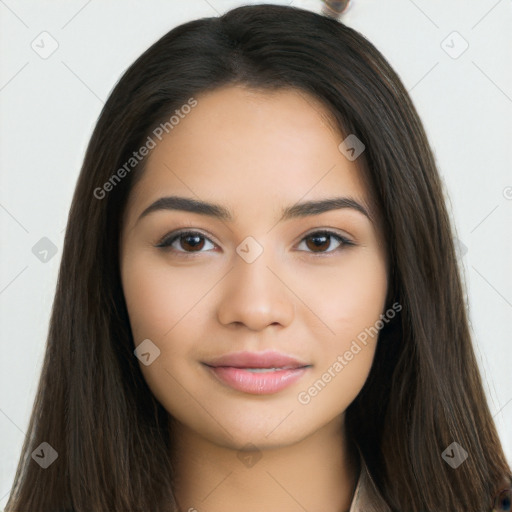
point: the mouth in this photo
(257, 373)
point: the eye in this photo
(191, 241)
(323, 240)
(194, 241)
(503, 501)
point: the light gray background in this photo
(50, 105)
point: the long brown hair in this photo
(424, 391)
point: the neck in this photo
(317, 473)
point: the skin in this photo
(255, 153)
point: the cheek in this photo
(158, 297)
(334, 387)
(350, 304)
(164, 306)
(348, 296)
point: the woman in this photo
(259, 305)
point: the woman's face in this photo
(255, 280)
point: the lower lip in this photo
(261, 383)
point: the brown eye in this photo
(320, 241)
(187, 242)
(192, 242)
(503, 502)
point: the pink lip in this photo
(267, 359)
(233, 370)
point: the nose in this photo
(255, 295)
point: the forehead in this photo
(245, 147)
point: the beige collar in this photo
(366, 496)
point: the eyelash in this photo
(166, 242)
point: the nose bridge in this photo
(255, 296)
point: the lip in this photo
(234, 370)
(267, 359)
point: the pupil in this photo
(504, 502)
(320, 244)
(193, 244)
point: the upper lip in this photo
(268, 359)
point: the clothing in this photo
(368, 499)
(366, 496)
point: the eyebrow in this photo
(218, 211)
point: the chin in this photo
(264, 434)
